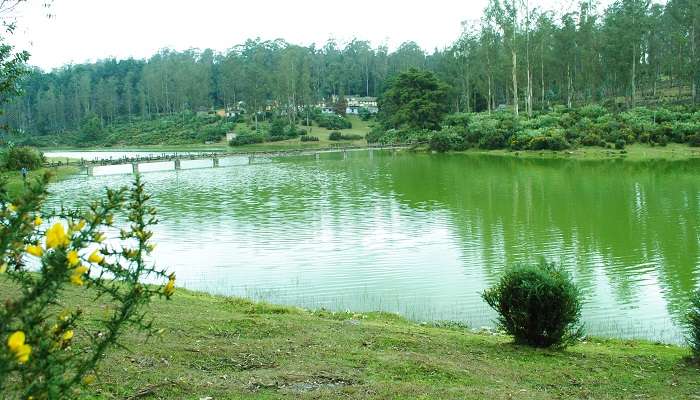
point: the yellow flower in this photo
(56, 236)
(77, 226)
(22, 353)
(35, 250)
(64, 315)
(72, 258)
(15, 340)
(89, 379)
(16, 344)
(109, 220)
(37, 220)
(67, 335)
(169, 288)
(99, 237)
(12, 207)
(77, 276)
(96, 257)
(3, 268)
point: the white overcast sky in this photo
(88, 30)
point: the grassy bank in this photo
(228, 348)
(15, 183)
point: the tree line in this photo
(526, 58)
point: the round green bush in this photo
(538, 305)
(693, 325)
(335, 135)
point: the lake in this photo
(423, 235)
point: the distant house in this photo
(355, 103)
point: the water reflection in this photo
(424, 234)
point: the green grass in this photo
(15, 183)
(229, 348)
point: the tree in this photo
(415, 99)
(340, 107)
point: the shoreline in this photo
(633, 152)
(232, 348)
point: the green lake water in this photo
(423, 235)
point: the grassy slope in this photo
(15, 184)
(229, 348)
(359, 127)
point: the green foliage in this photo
(693, 325)
(415, 99)
(247, 138)
(333, 122)
(364, 114)
(90, 128)
(40, 357)
(336, 136)
(445, 140)
(308, 138)
(538, 305)
(18, 157)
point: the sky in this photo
(89, 30)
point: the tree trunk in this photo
(515, 78)
(527, 58)
(569, 86)
(634, 75)
(694, 65)
(542, 71)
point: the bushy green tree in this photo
(538, 305)
(415, 99)
(17, 157)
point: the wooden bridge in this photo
(177, 158)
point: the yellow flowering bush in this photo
(46, 349)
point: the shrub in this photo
(351, 136)
(335, 135)
(592, 139)
(364, 113)
(247, 138)
(51, 350)
(333, 122)
(693, 324)
(538, 305)
(18, 157)
(553, 140)
(694, 140)
(444, 140)
(308, 138)
(619, 144)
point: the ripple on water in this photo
(425, 235)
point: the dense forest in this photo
(631, 53)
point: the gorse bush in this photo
(47, 349)
(538, 305)
(693, 325)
